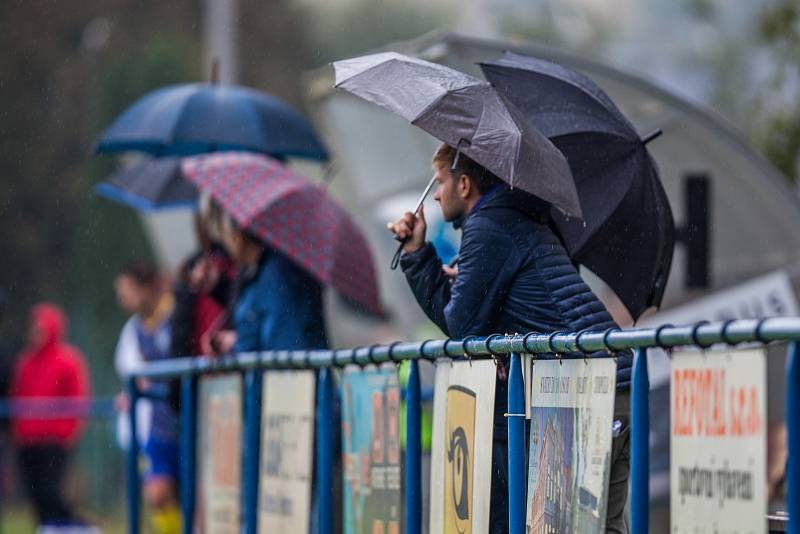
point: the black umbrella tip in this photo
(652, 135)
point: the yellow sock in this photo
(167, 520)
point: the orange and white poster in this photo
(461, 451)
(718, 442)
(220, 460)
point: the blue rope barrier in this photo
(58, 408)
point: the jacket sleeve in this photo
(431, 287)
(485, 270)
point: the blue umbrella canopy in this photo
(182, 120)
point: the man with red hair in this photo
(51, 383)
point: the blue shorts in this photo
(162, 458)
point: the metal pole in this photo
(252, 448)
(325, 447)
(134, 483)
(793, 427)
(188, 450)
(413, 452)
(516, 447)
(640, 443)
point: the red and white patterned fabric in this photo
(292, 215)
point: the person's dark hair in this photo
(142, 272)
(483, 178)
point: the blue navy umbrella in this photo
(182, 120)
(150, 185)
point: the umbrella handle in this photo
(396, 257)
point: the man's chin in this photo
(452, 218)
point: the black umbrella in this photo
(150, 185)
(626, 235)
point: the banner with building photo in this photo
(461, 450)
(219, 454)
(371, 449)
(718, 473)
(287, 443)
(572, 412)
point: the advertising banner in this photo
(572, 411)
(371, 448)
(461, 451)
(718, 426)
(287, 443)
(219, 455)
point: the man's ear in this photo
(464, 186)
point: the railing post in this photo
(517, 479)
(252, 446)
(413, 489)
(188, 451)
(793, 428)
(134, 483)
(640, 444)
(325, 447)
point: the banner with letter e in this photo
(718, 474)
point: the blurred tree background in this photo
(68, 69)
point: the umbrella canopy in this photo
(626, 236)
(466, 113)
(150, 185)
(197, 118)
(292, 215)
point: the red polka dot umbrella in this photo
(292, 215)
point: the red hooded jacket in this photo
(51, 368)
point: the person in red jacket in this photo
(48, 369)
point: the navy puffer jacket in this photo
(514, 277)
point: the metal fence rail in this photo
(555, 345)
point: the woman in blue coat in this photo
(277, 304)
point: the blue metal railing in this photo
(565, 345)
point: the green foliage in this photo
(779, 133)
